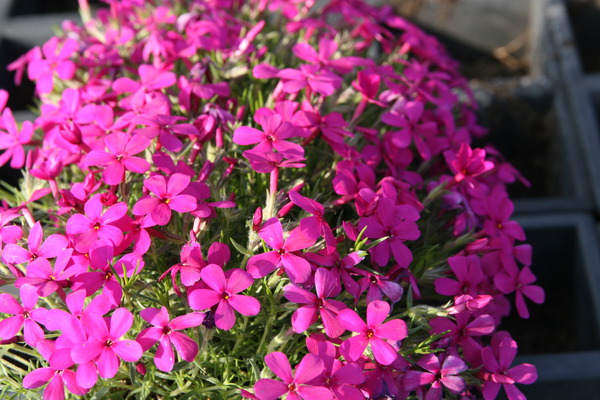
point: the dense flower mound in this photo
(267, 199)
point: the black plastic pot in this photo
(562, 337)
(529, 122)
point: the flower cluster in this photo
(207, 201)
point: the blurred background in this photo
(534, 66)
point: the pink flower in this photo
(296, 267)
(223, 292)
(42, 70)
(58, 375)
(168, 197)
(165, 332)
(296, 386)
(467, 164)
(104, 344)
(165, 127)
(437, 375)
(374, 333)
(313, 77)
(316, 304)
(497, 360)
(13, 139)
(468, 273)
(26, 316)
(398, 223)
(96, 224)
(120, 156)
(521, 284)
(317, 222)
(274, 135)
(339, 377)
(36, 250)
(48, 279)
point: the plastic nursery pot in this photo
(567, 72)
(529, 123)
(489, 38)
(562, 337)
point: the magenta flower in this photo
(317, 222)
(13, 139)
(104, 344)
(296, 267)
(468, 273)
(166, 127)
(339, 377)
(398, 223)
(120, 156)
(165, 332)
(274, 135)
(444, 375)
(521, 284)
(96, 224)
(57, 375)
(374, 333)
(341, 269)
(312, 77)
(36, 250)
(497, 360)
(46, 278)
(168, 197)
(295, 386)
(467, 164)
(26, 316)
(268, 162)
(42, 70)
(379, 285)
(413, 127)
(223, 292)
(462, 331)
(317, 304)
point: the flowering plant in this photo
(213, 209)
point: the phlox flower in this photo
(439, 373)
(57, 374)
(463, 330)
(274, 135)
(328, 309)
(166, 127)
(168, 197)
(96, 224)
(12, 139)
(315, 223)
(296, 267)
(36, 250)
(520, 283)
(379, 285)
(104, 344)
(398, 223)
(41, 70)
(341, 268)
(295, 386)
(310, 76)
(165, 332)
(374, 333)
(467, 164)
(26, 316)
(223, 291)
(497, 359)
(120, 156)
(469, 275)
(339, 377)
(49, 279)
